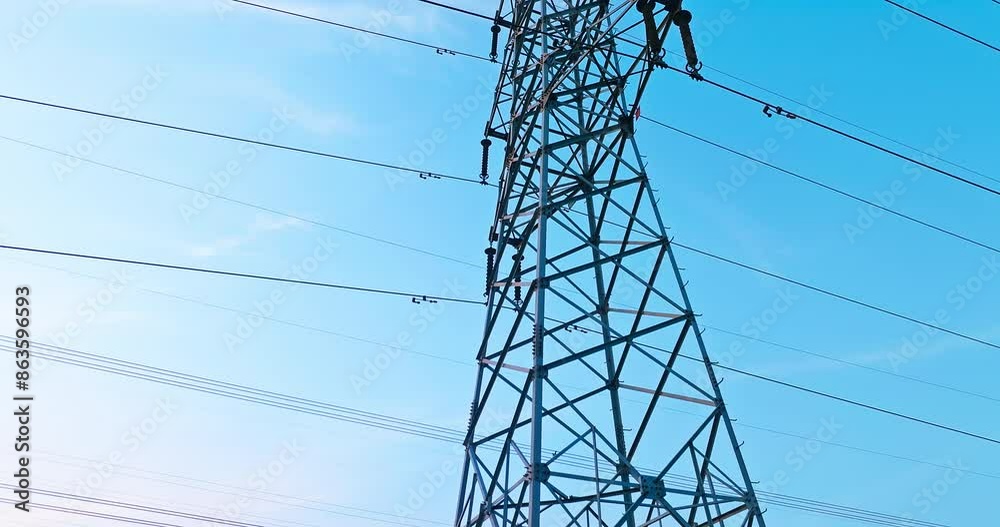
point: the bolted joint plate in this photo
(539, 472)
(652, 487)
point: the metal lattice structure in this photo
(576, 419)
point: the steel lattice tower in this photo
(576, 420)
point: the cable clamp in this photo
(444, 51)
(428, 175)
(778, 110)
(694, 71)
(423, 298)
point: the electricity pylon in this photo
(596, 403)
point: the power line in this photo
(234, 491)
(838, 296)
(416, 296)
(470, 180)
(164, 475)
(240, 139)
(95, 514)
(943, 25)
(412, 295)
(910, 147)
(439, 255)
(399, 425)
(439, 49)
(261, 208)
(856, 365)
(261, 315)
(826, 187)
(861, 449)
(816, 123)
(381, 423)
(838, 398)
(860, 404)
(177, 513)
(454, 361)
(433, 429)
(748, 425)
(845, 121)
(359, 289)
(466, 11)
(445, 257)
(120, 363)
(448, 359)
(468, 301)
(777, 110)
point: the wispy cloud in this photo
(370, 15)
(180, 7)
(263, 224)
(941, 345)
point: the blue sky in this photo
(245, 72)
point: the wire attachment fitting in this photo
(423, 298)
(778, 110)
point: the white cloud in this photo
(409, 18)
(263, 224)
(373, 16)
(182, 7)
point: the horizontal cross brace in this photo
(677, 396)
(729, 514)
(521, 369)
(643, 313)
(526, 212)
(515, 284)
(628, 242)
